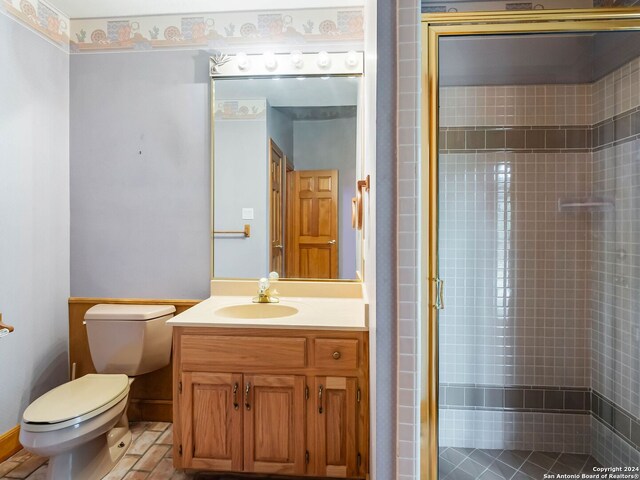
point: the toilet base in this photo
(87, 450)
(92, 460)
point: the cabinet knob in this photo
(336, 355)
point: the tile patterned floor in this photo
(149, 457)
(474, 464)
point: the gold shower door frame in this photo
(434, 26)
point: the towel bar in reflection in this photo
(246, 232)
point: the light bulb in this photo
(351, 60)
(270, 60)
(297, 60)
(244, 63)
(324, 60)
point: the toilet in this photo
(82, 425)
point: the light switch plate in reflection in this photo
(247, 213)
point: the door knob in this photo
(278, 246)
(331, 242)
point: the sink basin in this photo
(257, 310)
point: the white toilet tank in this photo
(129, 339)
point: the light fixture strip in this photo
(286, 64)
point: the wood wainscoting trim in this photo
(134, 301)
(10, 443)
(151, 394)
(150, 410)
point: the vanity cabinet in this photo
(291, 402)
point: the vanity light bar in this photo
(286, 64)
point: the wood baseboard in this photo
(136, 301)
(10, 443)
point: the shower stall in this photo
(537, 253)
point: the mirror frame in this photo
(285, 65)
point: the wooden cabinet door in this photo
(211, 420)
(274, 426)
(336, 415)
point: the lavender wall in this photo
(140, 193)
(34, 217)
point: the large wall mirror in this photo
(286, 161)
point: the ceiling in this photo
(127, 8)
(534, 59)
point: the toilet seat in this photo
(75, 402)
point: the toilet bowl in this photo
(73, 424)
(82, 425)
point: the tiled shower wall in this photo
(514, 336)
(515, 266)
(511, 105)
(615, 276)
(540, 340)
(515, 270)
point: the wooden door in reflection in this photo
(314, 226)
(276, 208)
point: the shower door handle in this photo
(439, 301)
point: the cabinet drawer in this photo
(238, 352)
(336, 353)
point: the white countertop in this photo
(341, 312)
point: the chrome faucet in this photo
(264, 293)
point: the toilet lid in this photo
(83, 397)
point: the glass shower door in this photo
(539, 246)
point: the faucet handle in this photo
(263, 284)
